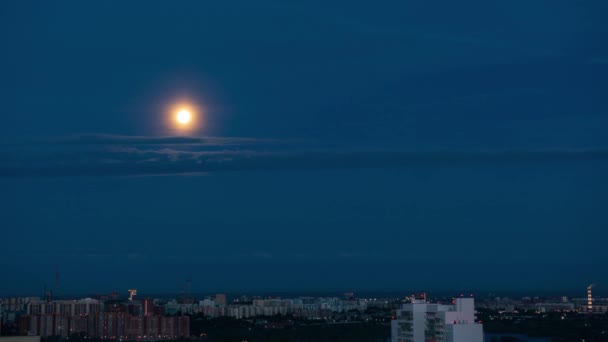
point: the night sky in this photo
(344, 145)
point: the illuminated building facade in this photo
(420, 321)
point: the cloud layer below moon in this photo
(112, 155)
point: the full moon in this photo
(184, 116)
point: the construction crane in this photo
(132, 293)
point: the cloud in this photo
(109, 139)
(128, 156)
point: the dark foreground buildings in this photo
(106, 325)
(95, 319)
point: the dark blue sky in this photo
(345, 145)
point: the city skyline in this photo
(413, 317)
(181, 292)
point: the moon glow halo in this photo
(184, 118)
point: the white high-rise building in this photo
(420, 321)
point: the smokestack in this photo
(589, 299)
